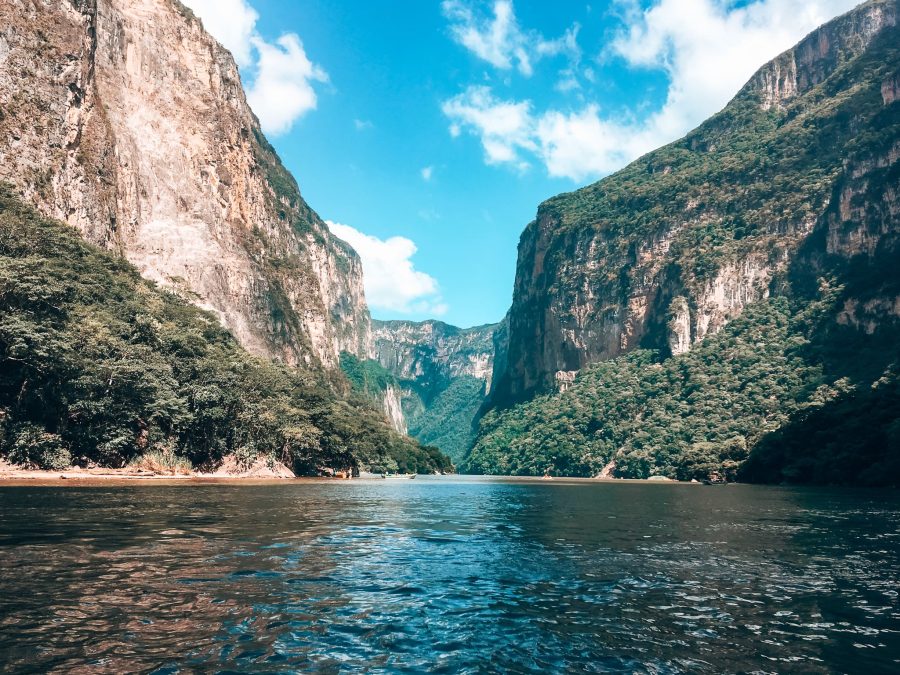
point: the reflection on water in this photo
(448, 575)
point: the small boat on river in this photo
(715, 478)
(398, 476)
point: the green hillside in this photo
(98, 366)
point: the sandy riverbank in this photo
(11, 473)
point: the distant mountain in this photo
(739, 282)
(444, 373)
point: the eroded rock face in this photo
(867, 206)
(890, 89)
(814, 58)
(127, 120)
(393, 409)
(444, 373)
(674, 246)
(433, 351)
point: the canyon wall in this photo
(444, 372)
(128, 121)
(667, 251)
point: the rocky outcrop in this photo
(890, 89)
(679, 326)
(393, 409)
(814, 58)
(127, 120)
(676, 245)
(866, 209)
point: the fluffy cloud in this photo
(283, 90)
(280, 75)
(499, 40)
(708, 49)
(392, 282)
(427, 172)
(232, 23)
(505, 127)
(574, 145)
(582, 144)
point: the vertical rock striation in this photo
(127, 120)
(393, 409)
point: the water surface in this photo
(448, 575)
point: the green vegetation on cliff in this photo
(369, 381)
(446, 422)
(783, 211)
(368, 378)
(100, 366)
(766, 387)
(442, 371)
(671, 417)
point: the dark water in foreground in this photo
(448, 575)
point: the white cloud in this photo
(362, 125)
(282, 91)
(499, 40)
(708, 49)
(391, 280)
(581, 144)
(574, 145)
(280, 74)
(505, 127)
(427, 173)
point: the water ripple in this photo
(448, 576)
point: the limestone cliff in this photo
(433, 350)
(393, 409)
(445, 373)
(679, 243)
(127, 120)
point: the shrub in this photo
(162, 460)
(34, 447)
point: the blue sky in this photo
(427, 132)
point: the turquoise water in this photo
(448, 575)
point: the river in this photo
(448, 575)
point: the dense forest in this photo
(445, 421)
(757, 390)
(438, 428)
(100, 367)
(782, 394)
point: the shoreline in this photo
(12, 476)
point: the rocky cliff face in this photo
(445, 373)
(673, 247)
(432, 351)
(127, 120)
(393, 409)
